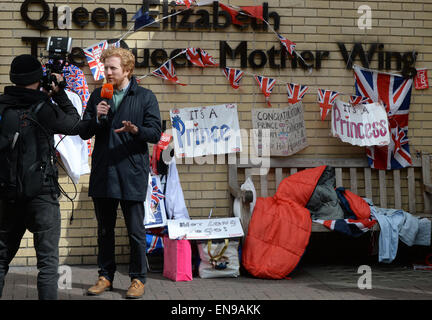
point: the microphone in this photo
(106, 94)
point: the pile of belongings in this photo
(281, 225)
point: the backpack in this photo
(27, 158)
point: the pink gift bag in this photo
(177, 259)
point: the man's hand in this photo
(127, 127)
(102, 108)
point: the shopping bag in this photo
(177, 259)
(219, 259)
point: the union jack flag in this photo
(154, 243)
(326, 100)
(296, 92)
(93, 55)
(207, 59)
(234, 76)
(266, 85)
(167, 72)
(186, 3)
(349, 227)
(194, 56)
(76, 80)
(156, 195)
(355, 100)
(287, 44)
(395, 93)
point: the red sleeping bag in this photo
(280, 227)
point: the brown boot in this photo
(101, 286)
(136, 290)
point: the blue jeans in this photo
(41, 216)
(106, 215)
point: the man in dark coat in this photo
(120, 165)
(40, 214)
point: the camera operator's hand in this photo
(102, 108)
(55, 88)
(55, 85)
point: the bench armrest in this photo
(245, 195)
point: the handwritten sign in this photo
(421, 79)
(206, 130)
(286, 126)
(198, 229)
(361, 125)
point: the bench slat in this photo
(426, 180)
(313, 162)
(383, 188)
(397, 189)
(338, 172)
(411, 191)
(264, 189)
(368, 183)
(353, 180)
(279, 177)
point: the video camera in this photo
(58, 48)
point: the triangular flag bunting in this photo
(142, 19)
(355, 100)
(194, 56)
(233, 14)
(207, 59)
(93, 55)
(167, 72)
(186, 3)
(287, 44)
(296, 92)
(254, 11)
(326, 100)
(234, 76)
(266, 85)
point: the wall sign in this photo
(217, 20)
(189, 19)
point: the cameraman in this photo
(39, 214)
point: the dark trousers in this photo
(106, 215)
(41, 216)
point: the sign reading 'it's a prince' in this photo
(207, 130)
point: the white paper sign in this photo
(361, 125)
(206, 130)
(198, 229)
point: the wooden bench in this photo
(409, 189)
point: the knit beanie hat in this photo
(25, 69)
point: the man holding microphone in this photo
(122, 127)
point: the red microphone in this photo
(106, 94)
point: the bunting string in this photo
(166, 70)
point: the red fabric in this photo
(359, 206)
(255, 11)
(280, 227)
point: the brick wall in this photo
(314, 25)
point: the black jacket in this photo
(120, 161)
(62, 118)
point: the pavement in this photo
(308, 282)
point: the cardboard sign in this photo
(361, 125)
(199, 229)
(286, 126)
(206, 130)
